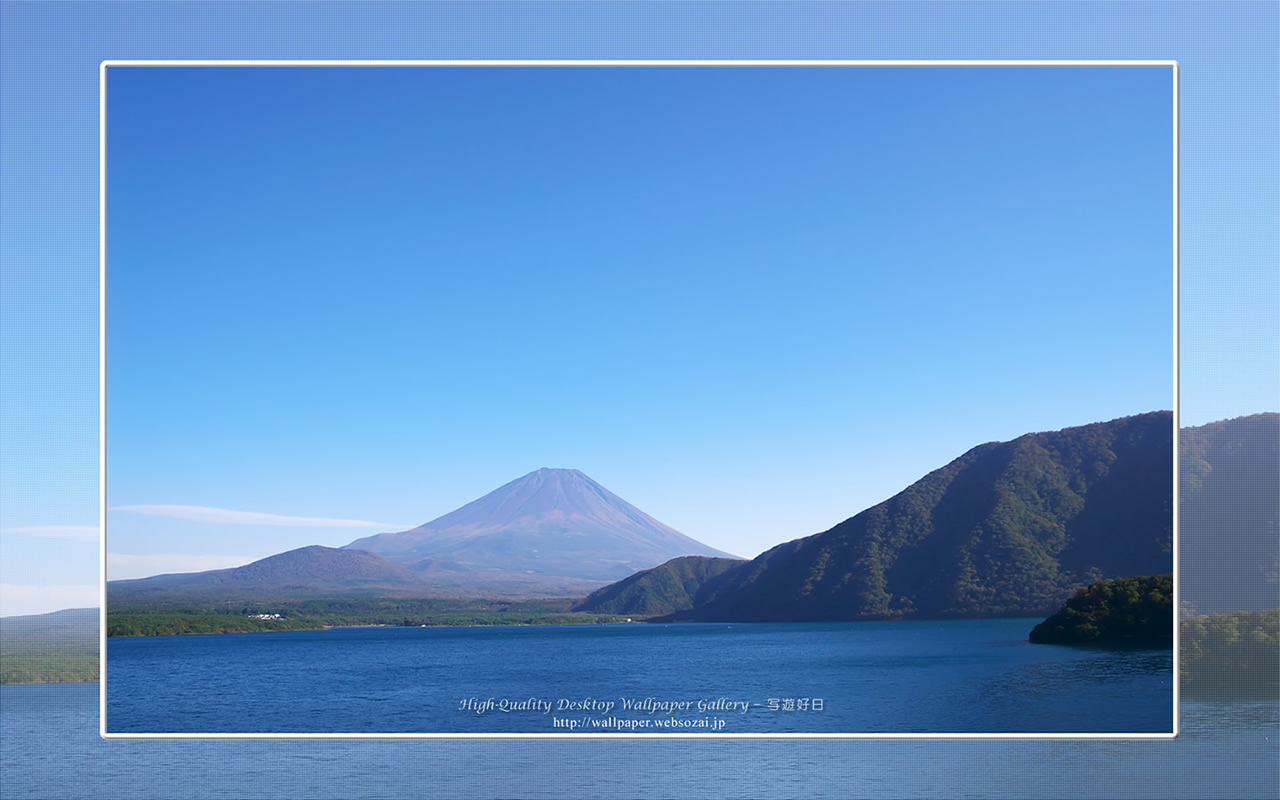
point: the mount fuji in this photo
(552, 530)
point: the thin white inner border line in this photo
(1176, 243)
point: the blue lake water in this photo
(975, 676)
(50, 748)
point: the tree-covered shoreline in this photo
(1135, 611)
(1222, 656)
(1231, 656)
(321, 613)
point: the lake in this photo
(50, 748)
(972, 676)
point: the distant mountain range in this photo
(297, 574)
(551, 533)
(1009, 528)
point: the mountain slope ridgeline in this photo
(1009, 528)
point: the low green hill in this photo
(665, 589)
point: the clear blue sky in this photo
(752, 301)
(716, 412)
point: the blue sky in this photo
(752, 301)
(313, 316)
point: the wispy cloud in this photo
(19, 600)
(77, 533)
(124, 566)
(226, 516)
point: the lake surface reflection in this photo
(971, 676)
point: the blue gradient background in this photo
(49, 56)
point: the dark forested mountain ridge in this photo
(1009, 528)
(1229, 499)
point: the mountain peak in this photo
(552, 521)
(555, 474)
